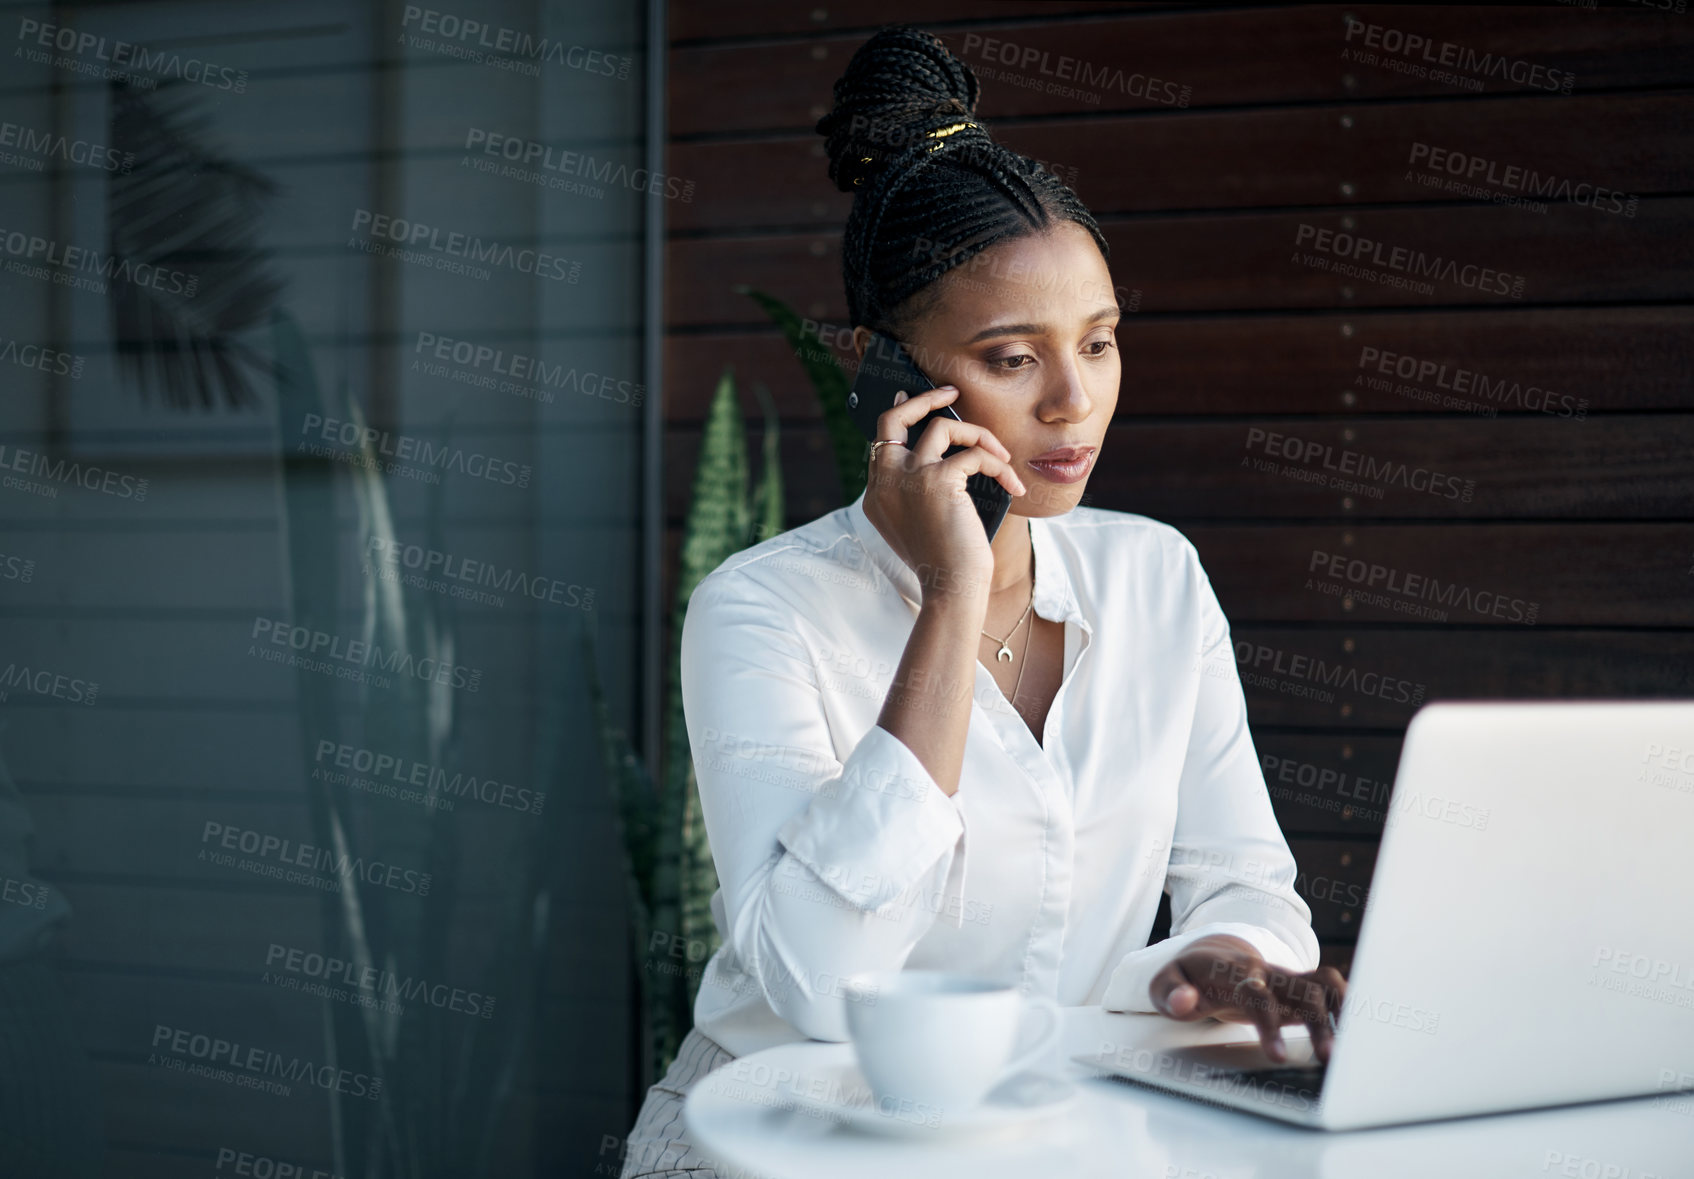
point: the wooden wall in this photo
(1564, 459)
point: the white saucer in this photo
(839, 1093)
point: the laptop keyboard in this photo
(1303, 1076)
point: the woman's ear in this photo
(861, 340)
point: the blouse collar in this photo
(1055, 598)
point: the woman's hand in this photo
(1225, 977)
(918, 501)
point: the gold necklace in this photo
(1018, 683)
(1005, 652)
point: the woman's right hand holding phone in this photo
(918, 499)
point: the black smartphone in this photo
(885, 369)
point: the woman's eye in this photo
(1098, 347)
(1011, 363)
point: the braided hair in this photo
(931, 188)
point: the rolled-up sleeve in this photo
(1230, 870)
(819, 860)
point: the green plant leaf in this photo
(830, 383)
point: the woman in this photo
(882, 697)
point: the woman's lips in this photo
(1063, 472)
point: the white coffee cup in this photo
(932, 1043)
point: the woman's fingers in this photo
(1323, 991)
(1253, 997)
(969, 462)
(1175, 995)
(940, 434)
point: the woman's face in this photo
(1026, 330)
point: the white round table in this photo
(741, 1117)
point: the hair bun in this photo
(900, 86)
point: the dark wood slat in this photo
(1336, 954)
(1612, 358)
(1635, 466)
(1330, 785)
(1375, 683)
(1602, 467)
(1223, 58)
(1470, 575)
(1334, 881)
(1353, 155)
(709, 20)
(1223, 263)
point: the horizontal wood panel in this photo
(711, 20)
(1407, 469)
(1215, 262)
(1475, 575)
(1529, 360)
(1223, 58)
(1351, 155)
(1334, 881)
(1330, 784)
(1370, 678)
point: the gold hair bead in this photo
(944, 132)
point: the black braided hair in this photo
(932, 189)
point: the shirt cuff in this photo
(882, 830)
(1128, 989)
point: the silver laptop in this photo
(1529, 935)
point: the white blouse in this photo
(836, 852)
